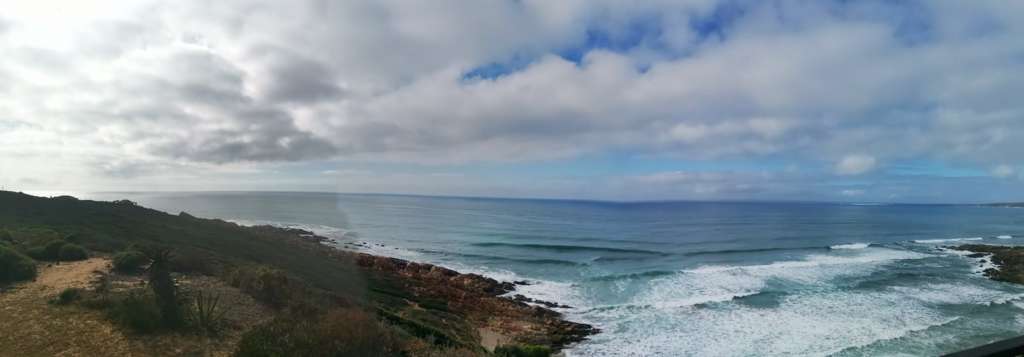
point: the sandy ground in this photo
(29, 326)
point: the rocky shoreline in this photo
(1009, 261)
(482, 301)
(485, 303)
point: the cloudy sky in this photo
(909, 101)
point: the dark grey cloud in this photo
(297, 80)
(267, 136)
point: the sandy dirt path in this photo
(29, 326)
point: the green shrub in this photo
(35, 253)
(267, 285)
(72, 252)
(522, 351)
(129, 261)
(343, 332)
(97, 302)
(193, 261)
(51, 251)
(14, 266)
(68, 296)
(6, 237)
(48, 249)
(137, 312)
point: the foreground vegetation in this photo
(320, 301)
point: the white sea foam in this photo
(818, 319)
(983, 264)
(962, 253)
(810, 323)
(934, 241)
(978, 264)
(723, 283)
(958, 294)
(547, 290)
(1005, 236)
(850, 246)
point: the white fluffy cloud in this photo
(120, 88)
(1003, 171)
(855, 164)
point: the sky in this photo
(861, 101)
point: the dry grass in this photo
(29, 326)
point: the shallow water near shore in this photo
(689, 278)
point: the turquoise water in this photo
(691, 279)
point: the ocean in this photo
(689, 278)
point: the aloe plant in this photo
(206, 314)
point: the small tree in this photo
(72, 252)
(129, 261)
(164, 290)
(14, 266)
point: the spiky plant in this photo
(206, 314)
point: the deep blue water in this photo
(690, 278)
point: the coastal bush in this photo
(14, 266)
(137, 312)
(267, 285)
(522, 351)
(340, 332)
(51, 250)
(47, 250)
(129, 261)
(36, 253)
(72, 252)
(6, 237)
(68, 296)
(192, 261)
(44, 248)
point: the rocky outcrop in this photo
(481, 300)
(1009, 260)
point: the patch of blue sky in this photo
(643, 32)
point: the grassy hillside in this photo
(108, 227)
(424, 309)
(217, 247)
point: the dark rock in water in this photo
(294, 232)
(521, 282)
(977, 255)
(550, 305)
(1009, 260)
